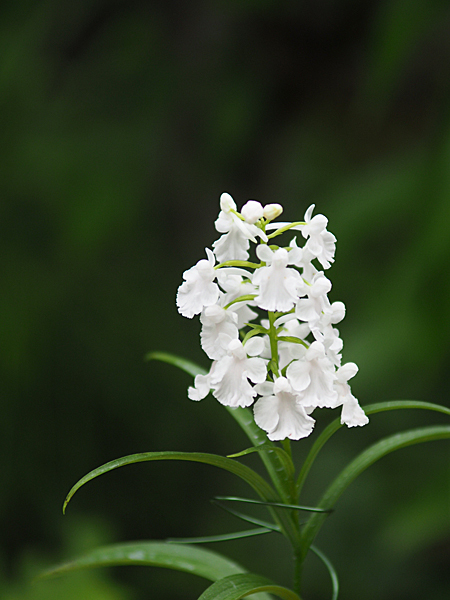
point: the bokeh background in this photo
(122, 122)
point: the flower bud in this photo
(252, 211)
(272, 211)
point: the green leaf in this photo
(282, 455)
(247, 518)
(238, 586)
(331, 570)
(225, 537)
(277, 504)
(198, 561)
(361, 463)
(249, 475)
(292, 340)
(177, 361)
(369, 409)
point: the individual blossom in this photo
(234, 244)
(278, 283)
(311, 308)
(230, 378)
(280, 412)
(320, 242)
(313, 376)
(333, 344)
(352, 414)
(219, 327)
(198, 290)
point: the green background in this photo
(121, 123)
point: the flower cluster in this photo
(268, 326)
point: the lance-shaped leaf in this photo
(282, 455)
(198, 561)
(360, 464)
(369, 410)
(331, 571)
(277, 504)
(222, 537)
(239, 586)
(259, 484)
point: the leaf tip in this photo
(66, 502)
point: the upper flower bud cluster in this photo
(268, 325)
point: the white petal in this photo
(227, 203)
(346, 372)
(254, 346)
(282, 417)
(264, 253)
(201, 387)
(298, 374)
(352, 414)
(256, 369)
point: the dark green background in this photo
(121, 123)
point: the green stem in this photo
(298, 568)
(273, 344)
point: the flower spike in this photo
(267, 322)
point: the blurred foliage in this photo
(121, 124)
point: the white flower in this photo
(310, 309)
(229, 380)
(352, 414)
(314, 376)
(278, 284)
(320, 242)
(233, 245)
(219, 328)
(280, 412)
(333, 344)
(198, 289)
(252, 211)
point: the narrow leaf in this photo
(277, 504)
(369, 410)
(198, 561)
(228, 464)
(238, 586)
(177, 361)
(220, 538)
(248, 519)
(282, 454)
(331, 570)
(361, 463)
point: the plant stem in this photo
(298, 567)
(273, 344)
